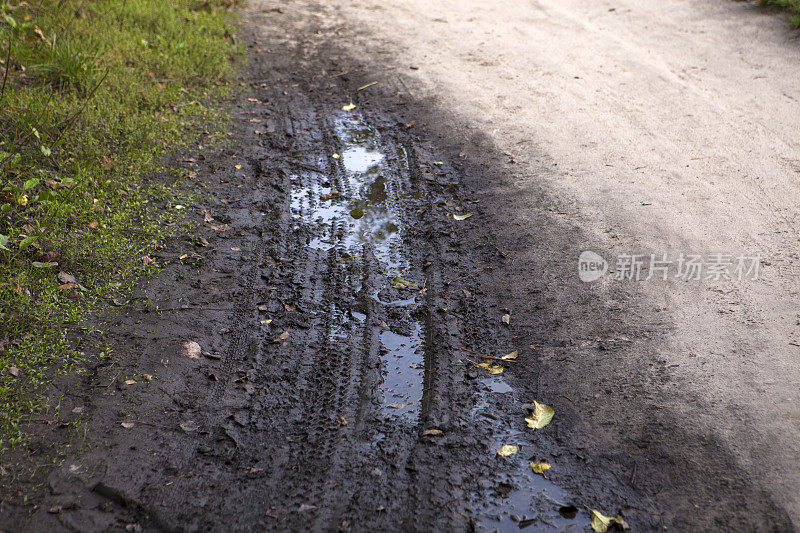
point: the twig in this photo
(8, 64)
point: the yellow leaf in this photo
(510, 356)
(335, 156)
(237, 167)
(539, 467)
(507, 449)
(601, 523)
(349, 107)
(541, 416)
(462, 217)
(495, 369)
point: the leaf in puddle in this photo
(396, 405)
(539, 467)
(349, 107)
(127, 425)
(600, 522)
(510, 356)
(191, 350)
(282, 337)
(462, 217)
(356, 213)
(399, 283)
(507, 449)
(540, 416)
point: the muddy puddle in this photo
(358, 213)
(356, 210)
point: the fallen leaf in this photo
(266, 322)
(507, 449)
(14, 371)
(147, 260)
(191, 350)
(335, 156)
(282, 337)
(396, 405)
(63, 277)
(399, 283)
(207, 216)
(510, 356)
(306, 507)
(342, 421)
(539, 467)
(492, 368)
(127, 425)
(223, 227)
(93, 224)
(438, 163)
(289, 307)
(189, 426)
(237, 166)
(600, 522)
(462, 217)
(349, 107)
(431, 432)
(540, 416)
(130, 381)
(506, 319)
(212, 355)
(179, 207)
(367, 85)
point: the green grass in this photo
(95, 91)
(792, 6)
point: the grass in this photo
(93, 94)
(792, 6)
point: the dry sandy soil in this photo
(625, 127)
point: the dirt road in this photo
(353, 264)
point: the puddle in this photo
(361, 205)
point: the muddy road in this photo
(360, 247)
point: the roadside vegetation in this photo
(792, 6)
(93, 93)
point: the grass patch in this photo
(792, 6)
(93, 93)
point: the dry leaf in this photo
(282, 337)
(147, 260)
(130, 381)
(14, 371)
(191, 350)
(510, 356)
(237, 166)
(462, 217)
(396, 405)
(600, 522)
(207, 216)
(127, 425)
(539, 467)
(65, 278)
(540, 416)
(506, 319)
(431, 432)
(507, 449)
(189, 426)
(349, 107)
